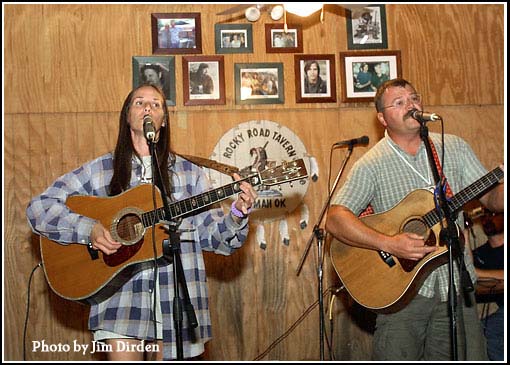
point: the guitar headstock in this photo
(286, 172)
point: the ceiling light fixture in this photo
(252, 14)
(302, 9)
(277, 12)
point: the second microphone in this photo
(352, 142)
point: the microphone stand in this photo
(178, 272)
(318, 233)
(448, 234)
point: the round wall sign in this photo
(256, 147)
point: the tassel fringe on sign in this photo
(260, 236)
(284, 232)
(314, 169)
(303, 222)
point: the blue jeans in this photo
(493, 326)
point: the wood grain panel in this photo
(64, 87)
(445, 60)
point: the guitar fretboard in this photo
(477, 189)
(185, 206)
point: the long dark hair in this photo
(124, 149)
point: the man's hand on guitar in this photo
(409, 246)
(102, 240)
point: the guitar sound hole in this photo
(419, 227)
(416, 226)
(130, 227)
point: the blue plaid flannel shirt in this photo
(128, 311)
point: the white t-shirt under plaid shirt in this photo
(382, 179)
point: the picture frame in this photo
(203, 80)
(159, 70)
(366, 28)
(280, 41)
(176, 33)
(259, 83)
(354, 89)
(315, 78)
(226, 34)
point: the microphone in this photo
(352, 142)
(148, 128)
(423, 117)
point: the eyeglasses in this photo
(402, 102)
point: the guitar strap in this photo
(467, 284)
(449, 193)
(200, 161)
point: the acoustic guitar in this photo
(76, 272)
(383, 283)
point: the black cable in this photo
(155, 274)
(291, 328)
(28, 309)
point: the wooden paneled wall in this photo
(67, 70)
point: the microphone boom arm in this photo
(324, 209)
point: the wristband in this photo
(237, 212)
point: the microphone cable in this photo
(40, 264)
(155, 269)
(295, 324)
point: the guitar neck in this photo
(477, 189)
(188, 205)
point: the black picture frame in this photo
(326, 86)
(223, 32)
(366, 28)
(188, 40)
(251, 80)
(195, 90)
(161, 66)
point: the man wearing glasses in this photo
(393, 168)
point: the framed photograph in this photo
(204, 80)
(176, 33)
(280, 41)
(259, 83)
(366, 28)
(157, 70)
(233, 38)
(363, 72)
(315, 78)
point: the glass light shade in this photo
(252, 14)
(277, 12)
(302, 9)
